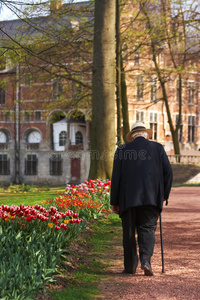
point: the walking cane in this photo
(161, 240)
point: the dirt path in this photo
(181, 233)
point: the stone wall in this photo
(183, 173)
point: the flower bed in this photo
(90, 199)
(33, 238)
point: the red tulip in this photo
(63, 226)
(22, 206)
(72, 221)
(75, 215)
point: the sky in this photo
(6, 13)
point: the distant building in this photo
(44, 134)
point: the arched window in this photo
(79, 138)
(62, 138)
(34, 137)
(3, 137)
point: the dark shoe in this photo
(146, 266)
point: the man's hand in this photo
(115, 209)
(166, 203)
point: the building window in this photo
(139, 116)
(3, 137)
(191, 129)
(74, 24)
(62, 138)
(136, 58)
(153, 125)
(78, 138)
(77, 87)
(2, 96)
(31, 165)
(3, 140)
(27, 79)
(26, 116)
(153, 89)
(140, 86)
(180, 132)
(7, 116)
(38, 115)
(34, 137)
(4, 165)
(159, 59)
(56, 165)
(191, 92)
(57, 89)
(2, 64)
(33, 140)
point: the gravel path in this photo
(181, 234)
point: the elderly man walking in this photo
(141, 181)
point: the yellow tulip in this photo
(50, 225)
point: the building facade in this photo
(41, 142)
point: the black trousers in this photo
(143, 220)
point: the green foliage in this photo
(17, 188)
(84, 281)
(31, 250)
(26, 261)
(30, 253)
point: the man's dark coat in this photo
(142, 175)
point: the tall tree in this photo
(121, 89)
(118, 75)
(103, 98)
(168, 31)
(172, 32)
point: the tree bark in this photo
(103, 94)
(124, 100)
(118, 75)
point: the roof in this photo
(31, 27)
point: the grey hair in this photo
(140, 133)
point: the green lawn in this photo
(83, 283)
(29, 198)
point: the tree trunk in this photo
(118, 75)
(103, 98)
(174, 132)
(124, 100)
(173, 129)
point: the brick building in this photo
(44, 133)
(157, 46)
(142, 95)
